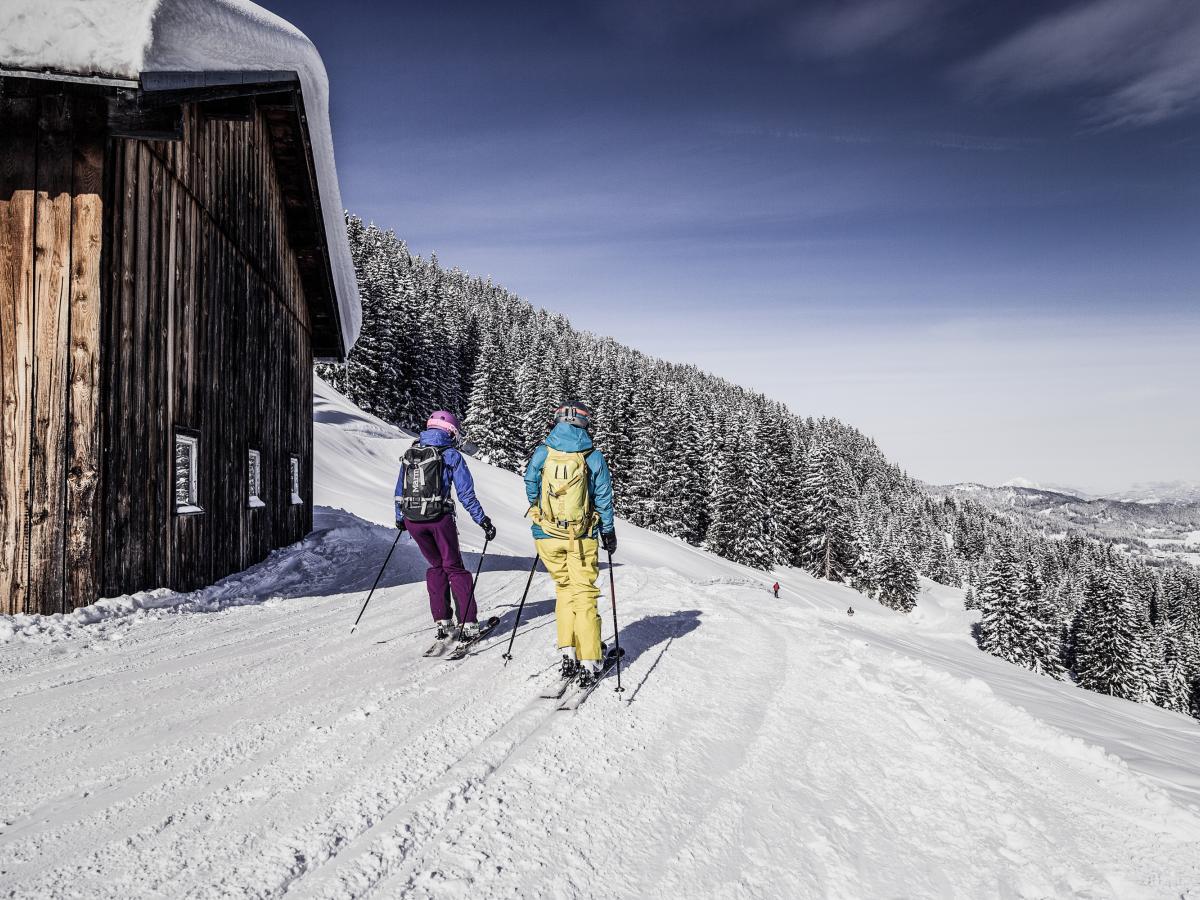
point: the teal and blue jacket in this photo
(572, 439)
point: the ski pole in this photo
(516, 624)
(612, 590)
(475, 581)
(370, 594)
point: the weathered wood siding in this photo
(144, 287)
(51, 153)
(205, 328)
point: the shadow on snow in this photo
(408, 566)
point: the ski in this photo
(576, 698)
(438, 647)
(556, 690)
(461, 648)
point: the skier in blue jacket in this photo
(571, 519)
(438, 537)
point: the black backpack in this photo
(423, 496)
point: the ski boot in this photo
(589, 672)
(441, 640)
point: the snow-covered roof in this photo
(127, 38)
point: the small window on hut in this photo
(294, 463)
(254, 480)
(187, 475)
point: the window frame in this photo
(294, 479)
(190, 438)
(254, 484)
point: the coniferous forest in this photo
(738, 474)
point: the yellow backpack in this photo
(565, 508)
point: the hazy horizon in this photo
(968, 231)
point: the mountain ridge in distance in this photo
(1178, 491)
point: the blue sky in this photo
(970, 229)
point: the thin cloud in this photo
(1138, 59)
(659, 19)
(937, 140)
(848, 29)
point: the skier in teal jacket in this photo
(573, 439)
(572, 556)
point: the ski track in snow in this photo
(240, 742)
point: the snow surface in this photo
(239, 741)
(124, 38)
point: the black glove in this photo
(609, 540)
(400, 526)
(489, 530)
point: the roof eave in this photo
(283, 99)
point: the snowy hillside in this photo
(239, 741)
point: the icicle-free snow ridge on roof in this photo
(128, 38)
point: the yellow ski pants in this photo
(575, 566)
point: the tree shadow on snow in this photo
(359, 549)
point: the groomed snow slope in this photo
(239, 741)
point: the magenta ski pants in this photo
(439, 545)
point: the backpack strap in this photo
(439, 504)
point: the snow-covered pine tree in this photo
(1107, 656)
(939, 560)
(380, 360)
(1176, 678)
(1004, 629)
(827, 496)
(681, 496)
(757, 469)
(970, 599)
(789, 522)
(897, 577)
(727, 499)
(653, 450)
(1045, 637)
(870, 556)
(491, 414)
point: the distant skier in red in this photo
(775, 588)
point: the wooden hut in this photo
(172, 260)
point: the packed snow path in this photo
(240, 741)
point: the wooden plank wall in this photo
(18, 144)
(51, 151)
(206, 328)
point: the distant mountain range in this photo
(1160, 520)
(1048, 486)
(1162, 492)
(1143, 492)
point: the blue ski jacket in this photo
(454, 470)
(568, 438)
